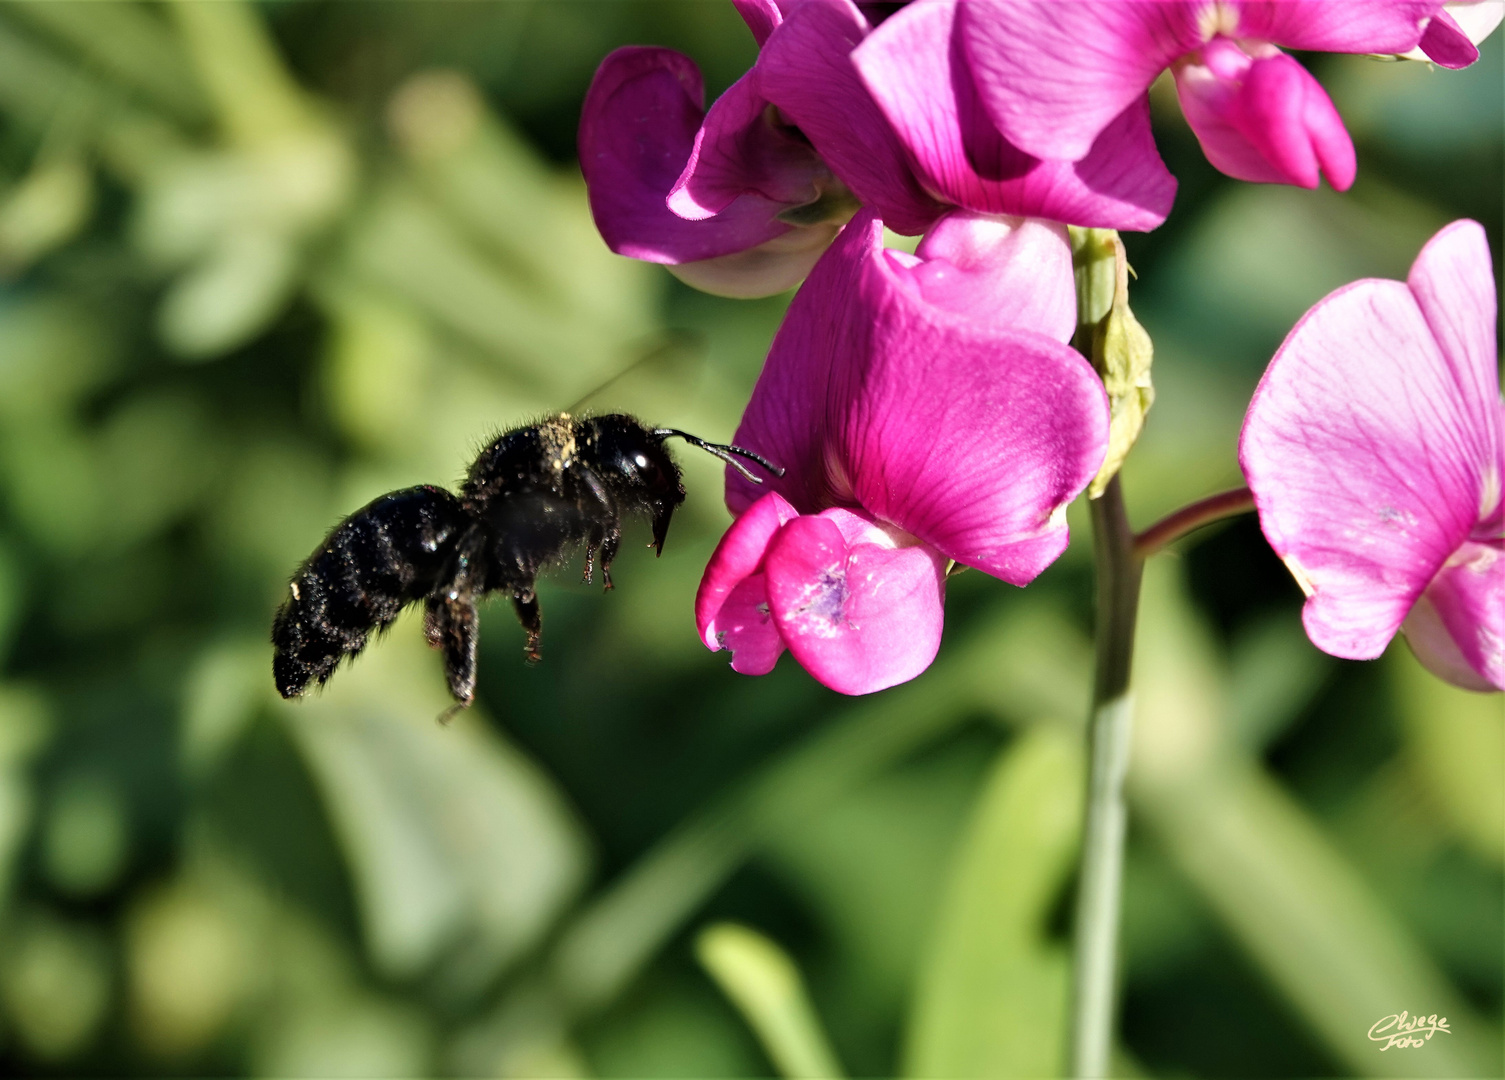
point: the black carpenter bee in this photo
(533, 495)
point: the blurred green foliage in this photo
(263, 262)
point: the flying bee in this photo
(533, 495)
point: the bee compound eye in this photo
(642, 462)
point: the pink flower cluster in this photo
(927, 408)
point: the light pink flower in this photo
(1054, 75)
(1375, 447)
(925, 408)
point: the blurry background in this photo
(262, 262)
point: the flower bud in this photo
(1260, 116)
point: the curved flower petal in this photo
(636, 130)
(971, 437)
(806, 70)
(913, 68)
(738, 557)
(1052, 76)
(745, 626)
(1364, 449)
(859, 611)
(1008, 271)
(1344, 26)
(761, 16)
(1457, 628)
(1447, 44)
(774, 266)
(1453, 282)
(1264, 118)
(742, 149)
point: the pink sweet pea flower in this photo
(1375, 446)
(925, 408)
(640, 122)
(742, 200)
(1054, 76)
(882, 111)
(912, 68)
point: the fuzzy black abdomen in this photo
(398, 549)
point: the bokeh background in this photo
(262, 262)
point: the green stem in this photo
(1189, 518)
(1094, 982)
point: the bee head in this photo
(635, 463)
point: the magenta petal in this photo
(1014, 273)
(737, 557)
(1453, 282)
(637, 127)
(1457, 628)
(761, 16)
(806, 70)
(913, 69)
(1053, 75)
(745, 626)
(1446, 44)
(971, 437)
(741, 149)
(1363, 449)
(1264, 119)
(858, 612)
(1351, 26)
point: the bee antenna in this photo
(724, 451)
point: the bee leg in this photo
(609, 552)
(526, 603)
(450, 626)
(590, 564)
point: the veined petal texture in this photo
(967, 434)
(1373, 444)
(914, 69)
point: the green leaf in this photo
(766, 987)
(992, 998)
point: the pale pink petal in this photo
(1264, 118)
(1453, 282)
(737, 557)
(1365, 471)
(971, 437)
(1447, 44)
(1345, 26)
(1053, 75)
(1014, 273)
(745, 626)
(1457, 628)
(806, 70)
(774, 266)
(743, 149)
(859, 612)
(636, 129)
(912, 67)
